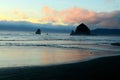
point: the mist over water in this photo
(27, 49)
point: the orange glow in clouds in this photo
(70, 16)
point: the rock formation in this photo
(115, 44)
(82, 29)
(38, 31)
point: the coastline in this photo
(97, 69)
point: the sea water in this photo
(29, 49)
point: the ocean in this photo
(29, 49)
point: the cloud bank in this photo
(32, 27)
(75, 16)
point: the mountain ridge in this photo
(105, 31)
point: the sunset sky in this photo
(105, 13)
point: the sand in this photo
(103, 68)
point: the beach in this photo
(45, 63)
(58, 57)
(39, 56)
(59, 40)
(104, 68)
(20, 56)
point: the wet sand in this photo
(103, 68)
(43, 56)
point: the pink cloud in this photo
(24, 16)
(15, 12)
(76, 15)
(20, 14)
(47, 10)
(69, 16)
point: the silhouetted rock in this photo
(38, 31)
(72, 32)
(82, 29)
(115, 44)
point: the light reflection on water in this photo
(30, 56)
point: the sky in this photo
(94, 13)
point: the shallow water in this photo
(28, 49)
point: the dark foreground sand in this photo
(107, 68)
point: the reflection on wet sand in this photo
(63, 56)
(30, 56)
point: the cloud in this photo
(69, 16)
(20, 14)
(24, 16)
(28, 26)
(111, 19)
(47, 9)
(16, 12)
(74, 15)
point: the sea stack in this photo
(38, 31)
(82, 29)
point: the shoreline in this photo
(45, 56)
(98, 69)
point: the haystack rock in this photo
(82, 29)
